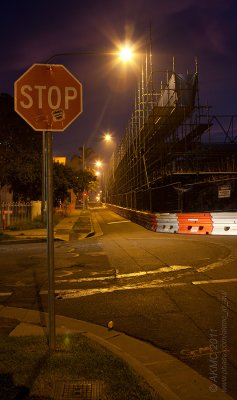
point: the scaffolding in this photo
(171, 145)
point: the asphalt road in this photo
(176, 291)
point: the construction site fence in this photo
(210, 223)
(16, 212)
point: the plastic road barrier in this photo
(195, 223)
(167, 223)
(224, 223)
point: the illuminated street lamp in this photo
(126, 54)
(107, 137)
(98, 164)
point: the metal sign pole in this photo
(43, 175)
(50, 240)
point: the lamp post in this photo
(125, 54)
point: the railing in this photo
(12, 213)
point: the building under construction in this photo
(175, 155)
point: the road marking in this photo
(157, 283)
(64, 273)
(5, 294)
(154, 271)
(100, 278)
(76, 293)
(214, 281)
(117, 222)
(232, 257)
(121, 276)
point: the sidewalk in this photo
(169, 377)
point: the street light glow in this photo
(126, 54)
(98, 163)
(107, 137)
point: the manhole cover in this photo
(79, 390)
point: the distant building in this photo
(60, 160)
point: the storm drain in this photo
(80, 390)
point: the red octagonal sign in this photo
(48, 97)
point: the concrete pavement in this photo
(169, 377)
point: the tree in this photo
(83, 165)
(21, 160)
(20, 153)
(65, 178)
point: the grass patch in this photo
(26, 225)
(83, 224)
(37, 223)
(27, 370)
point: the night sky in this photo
(31, 32)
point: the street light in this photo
(98, 163)
(107, 137)
(126, 54)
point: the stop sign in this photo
(48, 97)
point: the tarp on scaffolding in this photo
(180, 91)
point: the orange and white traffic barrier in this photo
(224, 223)
(195, 223)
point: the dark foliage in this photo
(20, 153)
(21, 160)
